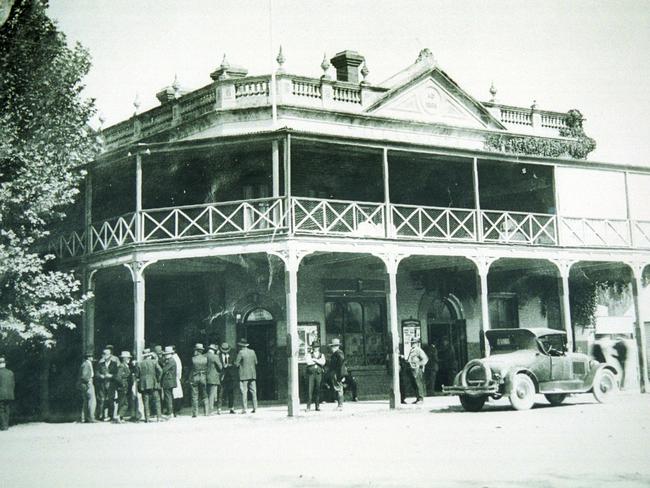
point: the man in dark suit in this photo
(87, 389)
(213, 378)
(228, 377)
(106, 371)
(148, 373)
(247, 363)
(315, 364)
(198, 380)
(168, 380)
(123, 384)
(337, 370)
(7, 386)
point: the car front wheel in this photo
(522, 393)
(555, 399)
(605, 385)
(472, 403)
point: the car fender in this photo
(589, 380)
(515, 371)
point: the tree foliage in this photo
(45, 142)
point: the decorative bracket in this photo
(291, 257)
(136, 268)
(483, 263)
(391, 260)
(563, 266)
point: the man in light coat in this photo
(417, 359)
(177, 392)
(246, 361)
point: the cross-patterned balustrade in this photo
(214, 220)
(576, 231)
(336, 217)
(519, 228)
(414, 222)
(327, 217)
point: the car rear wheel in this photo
(605, 385)
(522, 393)
(472, 403)
(555, 399)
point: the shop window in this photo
(361, 326)
(503, 310)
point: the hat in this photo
(242, 342)
(168, 350)
(199, 347)
(2, 360)
(125, 354)
(109, 347)
(335, 342)
(88, 354)
(315, 344)
(146, 352)
(107, 350)
(414, 340)
(213, 347)
(225, 347)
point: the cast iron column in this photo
(392, 263)
(292, 263)
(639, 312)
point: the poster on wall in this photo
(410, 330)
(307, 333)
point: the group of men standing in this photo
(119, 388)
(337, 374)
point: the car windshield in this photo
(553, 344)
(503, 341)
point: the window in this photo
(361, 326)
(503, 311)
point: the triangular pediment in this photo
(433, 98)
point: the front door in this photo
(451, 341)
(261, 337)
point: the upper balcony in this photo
(288, 186)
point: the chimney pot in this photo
(347, 65)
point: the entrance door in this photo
(260, 333)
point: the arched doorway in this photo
(447, 330)
(258, 326)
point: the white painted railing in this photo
(519, 228)
(316, 216)
(517, 117)
(213, 220)
(348, 95)
(251, 88)
(351, 218)
(306, 89)
(112, 233)
(416, 222)
(587, 232)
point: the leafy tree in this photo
(45, 141)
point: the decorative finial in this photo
(365, 71)
(493, 92)
(102, 119)
(136, 103)
(426, 56)
(534, 105)
(280, 59)
(325, 65)
(176, 86)
(224, 62)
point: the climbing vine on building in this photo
(578, 147)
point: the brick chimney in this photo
(347, 65)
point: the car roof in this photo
(536, 331)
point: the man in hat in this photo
(315, 363)
(7, 386)
(337, 370)
(123, 383)
(198, 380)
(246, 361)
(228, 377)
(177, 392)
(106, 372)
(148, 373)
(87, 389)
(213, 377)
(168, 380)
(417, 359)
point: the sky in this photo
(589, 55)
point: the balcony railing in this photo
(325, 217)
(213, 220)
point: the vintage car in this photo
(524, 362)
